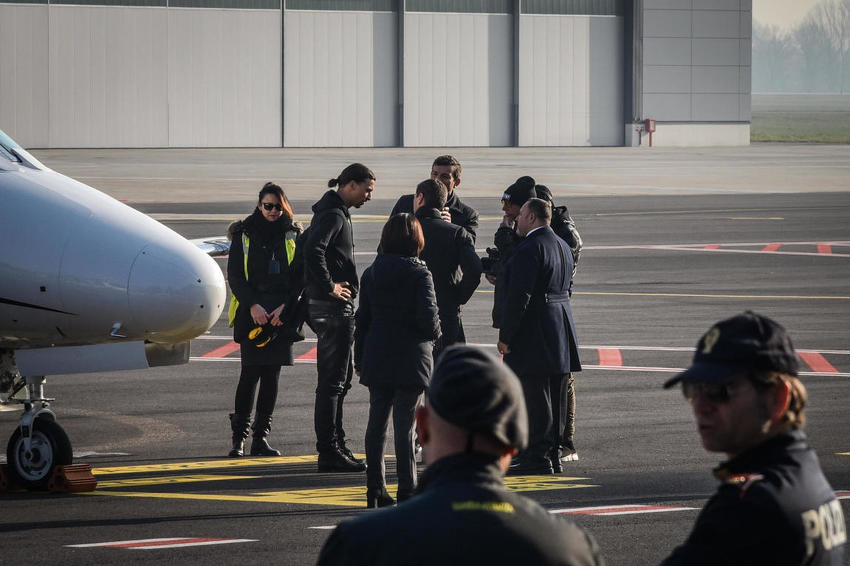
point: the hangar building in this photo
(374, 73)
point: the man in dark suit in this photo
(447, 170)
(537, 335)
(450, 256)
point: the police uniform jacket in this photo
(774, 507)
(537, 322)
(463, 515)
(450, 256)
(267, 287)
(329, 248)
(462, 215)
(396, 323)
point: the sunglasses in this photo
(271, 205)
(716, 393)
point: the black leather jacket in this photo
(329, 248)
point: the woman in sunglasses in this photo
(263, 278)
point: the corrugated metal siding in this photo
(574, 7)
(107, 77)
(224, 78)
(570, 81)
(340, 79)
(461, 6)
(149, 3)
(344, 5)
(23, 74)
(230, 4)
(458, 80)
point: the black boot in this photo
(378, 497)
(334, 460)
(262, 427)
(349, 454)
(240, 425)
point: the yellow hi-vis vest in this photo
(246, 243)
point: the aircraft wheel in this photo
(49, 447)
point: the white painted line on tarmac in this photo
(160, 543)
(620, 510)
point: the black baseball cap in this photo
(477, 392)
(745, 342)
(520, 191)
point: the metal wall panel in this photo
(224, 78)
(23, 74)
(570, 81)
(107, 77)
(340, 79)
(458, 80)
(725, 24)
(667, 23)
(667, 79)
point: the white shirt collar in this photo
(533, 230)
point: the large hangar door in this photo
(340, 75)
(571, 78)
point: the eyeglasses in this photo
(716, 393)
(271, 205)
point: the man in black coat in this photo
(447, 170)
(472, 423)
(774, 505)
(450, 256)
(537, 335)
(331, 285)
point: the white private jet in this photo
(87, 284)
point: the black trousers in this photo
(333, 322)
(402, 402)
(543, 401)
(568, 400)
(268, 377)
(451, 328)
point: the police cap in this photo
(745, 342)
(475, 391)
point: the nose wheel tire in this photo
(49, 447)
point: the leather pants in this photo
(333, 322)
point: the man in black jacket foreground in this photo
(331, 285)
(473, 422)
(450, 256)
(447, 170)
(774, 505)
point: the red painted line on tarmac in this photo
(222, 351)
(610, 357)
(771, 247)
(619, 510)
(310, 354)
(817, 362)
(711, 247)
(842, 494)
(824, 249)
(154, 543)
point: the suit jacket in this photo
(450, 256)
(462, 214)
(537, 321)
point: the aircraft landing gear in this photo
(39, 444)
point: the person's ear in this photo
(456, 181)
(780, 397)
(423, 430)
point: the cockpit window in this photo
(6, 141)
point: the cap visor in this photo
(706, 373)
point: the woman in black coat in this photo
(396, 326)
(263, 278)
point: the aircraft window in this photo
(7, 144)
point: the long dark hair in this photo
(356, 172)
(272, 189)
(402, 234)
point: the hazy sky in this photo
(782, 13)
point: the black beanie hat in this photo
(520, 191)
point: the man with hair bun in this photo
(774, 505)
(331, 285)
(472, 423)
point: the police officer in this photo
(774, 505)
(450, 256)
(471, 425)
(446, 169)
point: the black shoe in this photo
(335, 461)
(378, 498)
(348, 454)
(542, 467)
(260, 447)
(240, 425)
(568, 453)
(238, 449)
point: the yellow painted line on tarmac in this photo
(205, 465)
(702, 295)
(167, 480)
(843, 453)
(343, 496)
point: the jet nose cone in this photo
(175, 294)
